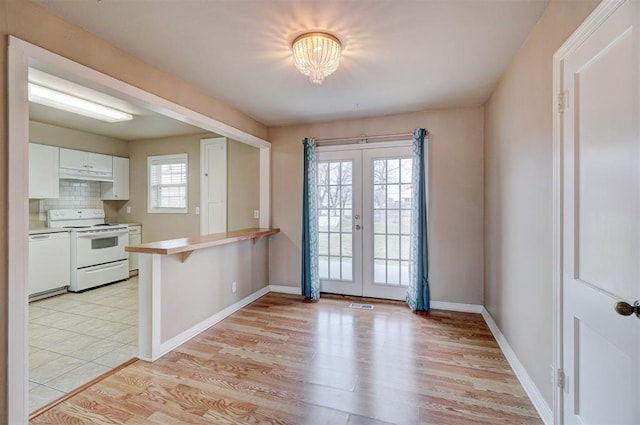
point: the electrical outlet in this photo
(197, 210)
(256, 213)
(233, 287)
(128, 209)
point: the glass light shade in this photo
(317, 55)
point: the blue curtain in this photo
(310, 279)
(418, 291)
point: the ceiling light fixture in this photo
(55, 99)
(316, 54)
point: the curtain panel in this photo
(418, 290)
(310, 278)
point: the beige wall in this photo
(200, 287)
(242, 187)
(47, 134)
(518, 194)
(157, 227)
(456, 197)
(32, 23)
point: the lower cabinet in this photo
(135, 238)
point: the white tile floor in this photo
(73, 338)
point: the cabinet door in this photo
(43, 172)
(99, 162)
(134, 239)
(71, 158)
(119, 189)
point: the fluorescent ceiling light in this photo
(55, 99)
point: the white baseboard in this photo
(525, 380)
(282, 289)
(183, 337)
(463, 308)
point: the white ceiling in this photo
(398, 55)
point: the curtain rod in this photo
(363, 139)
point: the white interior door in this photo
(213, 185)
(601, 223)
(364, 221)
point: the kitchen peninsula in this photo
(188, 284)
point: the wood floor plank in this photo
(282, 360)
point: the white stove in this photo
(97, 248)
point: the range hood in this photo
(85, 175)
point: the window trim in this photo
(165, 210)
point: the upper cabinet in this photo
(43, 171)
(119, 189)
(80, 160)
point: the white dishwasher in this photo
(49, 264)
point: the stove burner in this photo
(75, 227)
(104, 224)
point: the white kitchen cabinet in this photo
(135, 238)
(44, 177)
(80, 160)
(119, 189)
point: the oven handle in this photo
(102, 234)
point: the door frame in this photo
(361, 147)
(204, 206)
(19, 55)
(560, 103)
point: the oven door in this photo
(101, 246)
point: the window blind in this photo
(168, 183)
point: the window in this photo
(167, 183)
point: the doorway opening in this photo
(21, 56)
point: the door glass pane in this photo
(323, 267)
(379, 221)
(335, 219)
(392, 200)
(347, 268)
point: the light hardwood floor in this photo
(284, 361)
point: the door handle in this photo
(626, 309)
(358, 227)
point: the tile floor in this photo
(73, 338)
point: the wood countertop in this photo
(187, 245)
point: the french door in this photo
(364, 221)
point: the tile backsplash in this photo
(73, 194)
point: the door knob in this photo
(358, 227)
(626, 309)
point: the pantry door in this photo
(364, 221)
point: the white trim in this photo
(282, 289)
(19, 54)
(464, 308)
(18, 213)
(595, 19)
(185, 336)
(527, 383)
